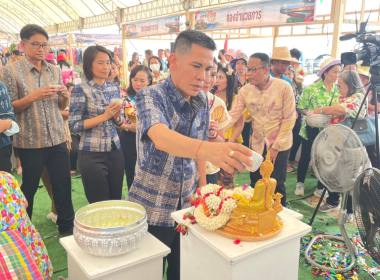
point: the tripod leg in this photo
(319, 204)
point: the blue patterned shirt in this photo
(6, 112)
(160, 178)
(89, 100)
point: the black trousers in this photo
(279, 173)
(333, 199)
(212, 179)
(5, 159)
(171, 238)
(246, 133)
(56, 160)
(74, 152)
(102, 174)
(303, 164)
(128, 146)
(371, 151)
(297, 139)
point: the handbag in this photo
(365, 128)
(312, 132)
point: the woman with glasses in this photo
(346, 105)
(314, 96)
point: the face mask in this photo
(155, 67)
(219, 57)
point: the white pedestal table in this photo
(208, 255)
(143, 263)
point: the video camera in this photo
(370, 51)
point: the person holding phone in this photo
(41, 141)
(95, 116)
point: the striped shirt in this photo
(160, 178)
(41, 124)
(89, 100)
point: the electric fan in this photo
(338, 157)
(366, 202)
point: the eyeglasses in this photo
(37, 45)
(253, 70)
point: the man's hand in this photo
(112, 110)
(43, 93)
(5, 125)
(273, 155)
(213, 128)
(132, 127)
(219, 155)
(63, 92)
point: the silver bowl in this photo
(317, 120)
(110, 228)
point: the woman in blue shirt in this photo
(8, 127)
(94, 116)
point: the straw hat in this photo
(283, 53)
(239, 55)
(230, 52)
(363, 70)
(326, 64)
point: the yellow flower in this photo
(17, 216)
(12, 227)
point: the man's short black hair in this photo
(160, 50)
(63, 50)
(16, 52)
(223, 51)
(30, 30)
(187, 38)
(7, 54)
(265, 61)
(295, 53)
(89, 57)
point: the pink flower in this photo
(3, 213)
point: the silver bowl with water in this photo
(318, 120)
(110, 228)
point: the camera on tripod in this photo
(370, 51)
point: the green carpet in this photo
(58, 255)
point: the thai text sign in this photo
(266, 13)
(112, 39)
(160, 26)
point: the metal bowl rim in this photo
(110, 229)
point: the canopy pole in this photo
(339, 8)
(71, 49)
(125, 58)
(275, 31)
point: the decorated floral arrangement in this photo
(130, 111)
(301, 73)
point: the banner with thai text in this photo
(160, 26)
(274, 12)
(111, 39)
(59, 40)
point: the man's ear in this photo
(173, 59)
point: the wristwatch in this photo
(126, 129)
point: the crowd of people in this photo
(185, 120)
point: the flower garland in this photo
(214, 206)
(301, 73)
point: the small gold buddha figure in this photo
(256, 215)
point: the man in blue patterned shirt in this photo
(172, 127)
(8, 127)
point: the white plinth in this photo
(143, 263)
(292, 214)
(208, 255)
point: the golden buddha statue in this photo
(255, 217)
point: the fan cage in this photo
(366, 206)
(340, 176)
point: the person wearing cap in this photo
(229, 55)
(66, 70)
(50, 59)
(316, 95)
(280, 62)
(239, 64)
(270, 103)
